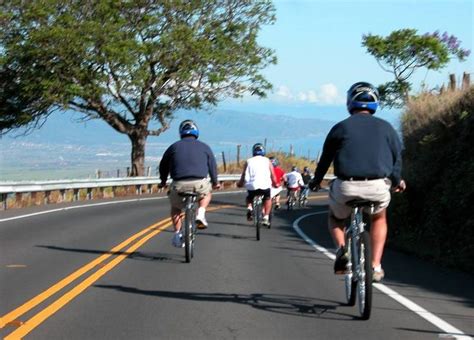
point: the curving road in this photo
(108, 271)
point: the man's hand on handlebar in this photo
(216, 186)
(400, 187)
(162, 185)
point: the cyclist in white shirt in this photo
(294, 181)
(258, 177)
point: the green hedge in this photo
(434, 218)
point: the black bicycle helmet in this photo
(362, 96)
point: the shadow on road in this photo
(275, 303)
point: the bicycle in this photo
(292, 198)
(358, 278)
(303, 197)
(257, 205)
(189, 234)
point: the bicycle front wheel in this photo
(364, 282)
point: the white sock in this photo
(266, 217)
(201, 211)
(249, 208)
(378, 268)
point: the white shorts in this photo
(275, 191)
(377, 190)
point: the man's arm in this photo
(272, 175)
(329, 152)
(165, 166)
(241, 182)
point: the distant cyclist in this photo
(366, 152)
(306, 176)
(189, 162)
(280, 179)
(294, 182)
(258, 177)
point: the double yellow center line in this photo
(136, 241)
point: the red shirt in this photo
(279, 173)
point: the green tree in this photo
(130, 63)
(404, 51)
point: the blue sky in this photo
(319, 51)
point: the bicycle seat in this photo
(361, 203)
(188, 193)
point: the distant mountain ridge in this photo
(66, 148)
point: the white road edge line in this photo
(98, 204)
(450, 330)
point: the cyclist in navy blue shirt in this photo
(192, 167)
(366, 152)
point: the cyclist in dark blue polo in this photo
(190, 163)
(366, 152)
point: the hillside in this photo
(434, 218)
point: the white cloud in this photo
(326, 94)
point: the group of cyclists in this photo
(365, 151)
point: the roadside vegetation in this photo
(434, 218)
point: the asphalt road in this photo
(108, 271)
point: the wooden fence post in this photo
(466, 81)
(452, 82)
(223, 161)
(238, 154)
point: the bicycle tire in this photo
(257, 217)
(364, 284)
(187, 236)
(349, 279)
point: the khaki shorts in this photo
(377, 190)
(200, 186)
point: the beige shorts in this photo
(377, 190)
(200, 186)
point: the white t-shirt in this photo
(257, 174)
(294, 179)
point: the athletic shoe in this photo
(249, 215)
(201, 222)
(177, 240)
(378, 275)
(340, 264)
(265, 221)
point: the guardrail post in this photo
(89, 194)
(138, 189)
(75, 195)
(63, 195)
(46, 197)
(3, 198)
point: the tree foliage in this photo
(128, 62)
(404, 51)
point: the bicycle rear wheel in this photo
(257, 216)
(364, 282)
(188, 236)
(349, 278)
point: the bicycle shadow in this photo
(274, 303)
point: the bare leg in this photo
(336, 229)
(176, 217)
(378, 234)
(267, 206)
(204, 202)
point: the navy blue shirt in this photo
(362, 146)
(188, 158)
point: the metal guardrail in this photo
(45, 188)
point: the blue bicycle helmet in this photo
(362, 96)
(274, 161)
(258, 150)
(188, 128)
